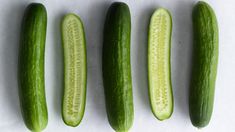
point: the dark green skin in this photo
(204, 69)
(31, 67)
(117, 67)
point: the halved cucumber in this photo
(159, 65)
(75, 71)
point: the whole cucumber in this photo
(204, 68)
(31, 67)
(117, 67)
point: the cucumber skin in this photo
(31, 67)
(117, 67)
(169, 62)
(84, 103)
(205, 60)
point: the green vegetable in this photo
(205, 60)
(75, 70)
(159, 64)
(117, 68)
(31, 67)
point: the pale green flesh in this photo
(159, 64)
(74, 70)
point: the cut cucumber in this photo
(75, 71)
(159, 65)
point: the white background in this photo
(93, 14)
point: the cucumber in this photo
(204, 68)
(116, 66)
(75, 70)
(31, 67)
(159, 64)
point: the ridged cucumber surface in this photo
(204, 67)
(31, 67)
(116, 67)
(75, 70)
(159, 64)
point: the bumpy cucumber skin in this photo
(204, 69)
(84, 102)
(169, 62)
(117, 67)
(31, 67)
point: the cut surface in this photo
(74, 69)
(159, 69)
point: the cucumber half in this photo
(75, 70)
(159, 65)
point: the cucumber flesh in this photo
(74, 46)
(159, 66)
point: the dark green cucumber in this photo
(159, 64)
(204, 67)
(117, 68)
(74, 45)
(31, 67)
